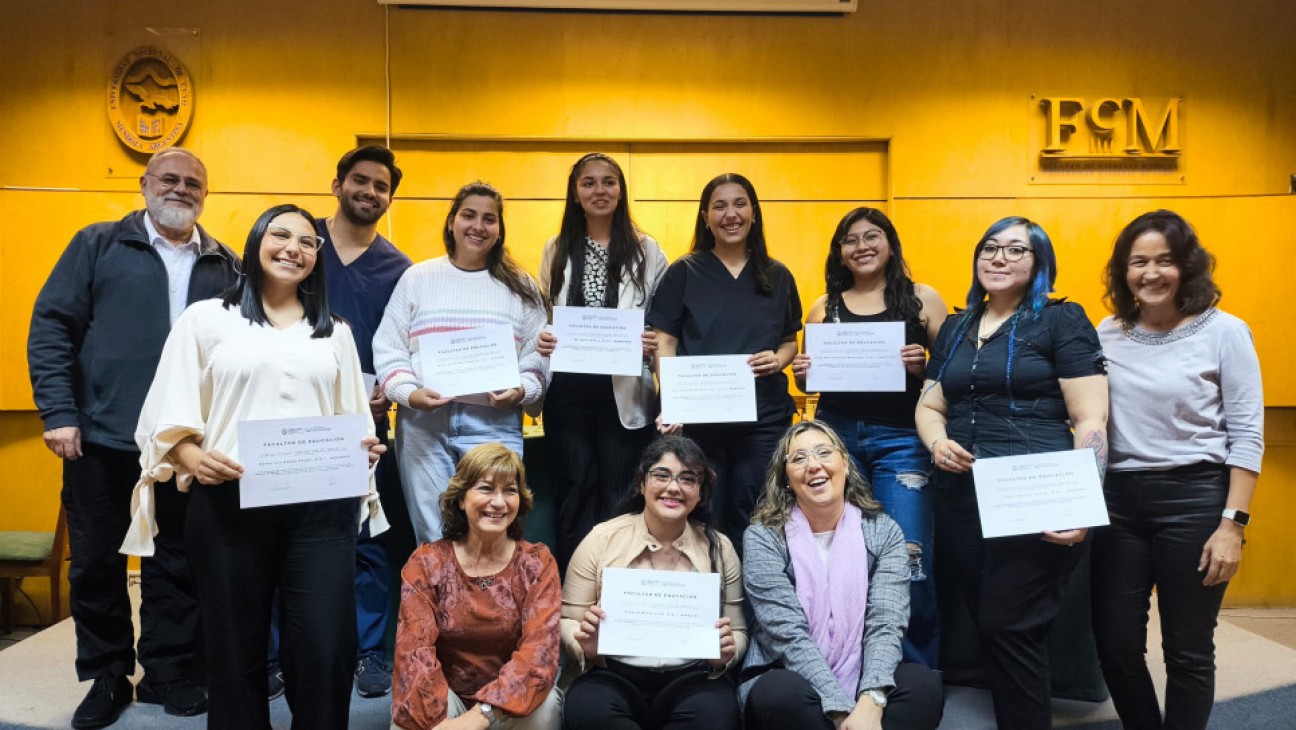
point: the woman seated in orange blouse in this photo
(477, 641)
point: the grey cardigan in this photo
(780, 636)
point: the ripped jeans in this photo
(896, 464)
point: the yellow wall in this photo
(944, 89)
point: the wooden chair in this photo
(32, 554)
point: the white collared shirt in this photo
(179, 262)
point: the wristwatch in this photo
(488, 711)
(878, 696)
(1238, 516)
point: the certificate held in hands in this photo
(294, 460)
(855, 357)
(597, 341)
(659, 613)
(707, 389)
(467, 362)
(1020, 495)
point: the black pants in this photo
(1159, 523)
(96, 495)
(239, 558)
(783, 700)
(1013, 588)
(592, 454)
(739, 453)
(623, 697)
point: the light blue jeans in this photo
(429, 445)
(896, 464)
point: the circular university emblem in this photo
(150, 100)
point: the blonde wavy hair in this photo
(777, 499)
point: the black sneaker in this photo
(274, 682)
(177, 697)
(373, 678)
(104, 703)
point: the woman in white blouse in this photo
(269, 348)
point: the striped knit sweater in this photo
(434, 296)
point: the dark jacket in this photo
(100, 322)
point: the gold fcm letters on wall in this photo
(150, 100)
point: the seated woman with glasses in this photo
(477, 641)
(1015, 373)
(666, 526)
(827, 575)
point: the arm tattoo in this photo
(1097, 440)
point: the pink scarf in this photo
(834, 597)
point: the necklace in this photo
(674, 564)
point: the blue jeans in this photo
(896, 465)
(429, 445)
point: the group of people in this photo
(825, 533)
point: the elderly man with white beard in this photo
(97, 332)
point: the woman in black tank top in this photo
(868, 281)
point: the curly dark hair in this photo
(694, 459)
(1197, 289)
(899, 295)
(486, 460)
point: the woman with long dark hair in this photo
(1187, 438)
(666, 526)
(728, 297)
(269, 348)
(596, 425)
(1014, 373)
(868, 280)
(475, 284)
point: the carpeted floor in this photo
(1256, 686)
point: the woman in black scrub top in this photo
(728, 297)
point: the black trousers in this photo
(1013, 588)
(1159, 523)
(96, 496)
(239, 557)
(592, 454)
(623, 697)
(740, 454)
(783, 700)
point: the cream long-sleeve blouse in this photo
(218, 369)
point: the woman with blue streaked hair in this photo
(1011, 374)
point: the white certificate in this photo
(465, 362)
(292, 460)
(855, 357)
(707, 389)
(597, 340)
(1058, 490)
(659, 613)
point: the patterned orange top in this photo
(492, 640)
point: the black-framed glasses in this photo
(800, 459)
(662, 477)
(171, 181)
(1011, 253)
(873, 239)
(307, 243)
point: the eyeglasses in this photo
(307, 243)
(171, 181)
(872, 238)
(1011, 253)
(687, 480)
(800, 459)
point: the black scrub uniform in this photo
(711, 312)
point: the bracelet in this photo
(932, 447)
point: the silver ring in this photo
(946, 461)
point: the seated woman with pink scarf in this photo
(827, 576)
